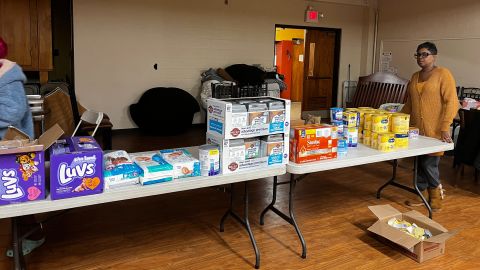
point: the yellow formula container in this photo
(360, 134)
(390, 114)
(365, 108)
(401, 140)
(386, 142)
(374, 140)
(400, 123)
(351, 119)
(367, 137)
(364, 112)
(380, 123)
(367, 122)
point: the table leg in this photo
(18, 259)
(244, 221)
(413, 190)
(291, 218)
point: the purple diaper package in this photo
(76, 168)
(22, 165)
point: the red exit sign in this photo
(311, 16)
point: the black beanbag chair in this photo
(164, 111)
(246, 75)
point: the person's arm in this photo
(13, 104)
(407, 108)
(450, 103)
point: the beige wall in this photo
(453, 25)
(117, 42)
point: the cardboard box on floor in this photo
(414, 248)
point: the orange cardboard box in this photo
(312, 143)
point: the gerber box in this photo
(222, 120)
(313, 143)
(76, 168)
(414, 248)
(22, 165)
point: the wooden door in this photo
(319, 70)
(18, 27)
(297, 70)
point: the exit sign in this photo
(311, 16)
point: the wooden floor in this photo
(180, 230)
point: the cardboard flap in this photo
(441, 237)
(14, 133)
(419, 216)
(50, 136)
(398, 237)
(384, 211)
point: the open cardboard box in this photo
(416, 249)
(22, 165)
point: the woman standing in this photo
(432, 103)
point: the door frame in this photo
(336, 59)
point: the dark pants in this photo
(428, 174)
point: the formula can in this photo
(339, 125)
(342, 148)
(367, 137)
(380, 123)
(374, 140)
(401, 140)
(386, 142)
(360, 134)
(351, 119)
(209, 156)
(367, 120)
(336, 114)
(400, 123)
(413, 133)
(351, 135)
(390, 115)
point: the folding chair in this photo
(90, 117)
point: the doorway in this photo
(308, 58)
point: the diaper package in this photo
(154, 169)
(119, 170)
(184, 165)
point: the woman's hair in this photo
(430, 46)
(3, 49)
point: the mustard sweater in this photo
(433, 106)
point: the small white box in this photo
(222, 121)
(232, 160)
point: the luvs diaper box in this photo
(22, 165)
(240, 118)
(76, 168)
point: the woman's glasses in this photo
(422, 55)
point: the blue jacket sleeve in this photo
(13, 104)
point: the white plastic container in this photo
(209, 156)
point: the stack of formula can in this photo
(386, 131)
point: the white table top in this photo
(364, 155)
(137, 191)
